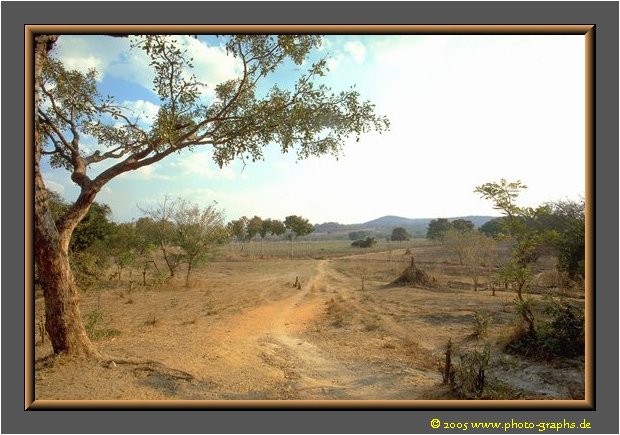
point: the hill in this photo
(383, 226)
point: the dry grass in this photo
(245, 332)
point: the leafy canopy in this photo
(399, 234)
(298, 226)
(236, 122)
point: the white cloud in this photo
(212, 65)
(357, 50)
(81, 52)
(146, 173)
(143, 110)
(114, 56)
(201, 163)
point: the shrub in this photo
(87, 268)
(367, 243)
(467, 378)
(471, 370)
(481, 324)
(564, 334)
(94, 328)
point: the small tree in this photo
(456, 242)
(298, 227)
(272, 227)
(399, 234)
(121, 247)
(479, 251)
(254, 228)
(527, 241)
(198, 231)
(437, 228)
(366, 243)
(164, 234)
(568, 235)
(463, 225)
(144, 242)
(492, 228)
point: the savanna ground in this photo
(243, 330)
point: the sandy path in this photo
(262, 354)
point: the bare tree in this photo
(164, 235)
(198, 232)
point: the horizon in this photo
(464, 110)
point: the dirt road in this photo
(264, 353)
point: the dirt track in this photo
(246, 333)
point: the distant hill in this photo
(394, 221)
(397, 221)
(383, 226)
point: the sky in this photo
(464, 110)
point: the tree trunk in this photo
(189, 270)
(171, 267)
(62, 314)
(63, 321)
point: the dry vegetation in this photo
(243, 330)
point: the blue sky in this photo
(464, 110)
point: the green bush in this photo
(94, 328)
(87, 268)
(481, 324)
(561, 336)
(564, 334)
(471, 373)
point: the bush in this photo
(93, 327)
(481, 324)
(564, 334)
(87, 268)
(470, 376)
(367, 243)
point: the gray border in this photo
(15, 14)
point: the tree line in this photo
(183, 233)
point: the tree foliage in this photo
(462, 225)
(237, 228)
(254, 227)
(400, 234)
(95, 227)
(492, 228)
(527, 241)
(198, 230)
(368, 242)
(273, 227)
(567, 222)
(357, 235)
(298, 226)
(437, 228)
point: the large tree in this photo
(437, 228)
(298, 227)
(237, 123)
